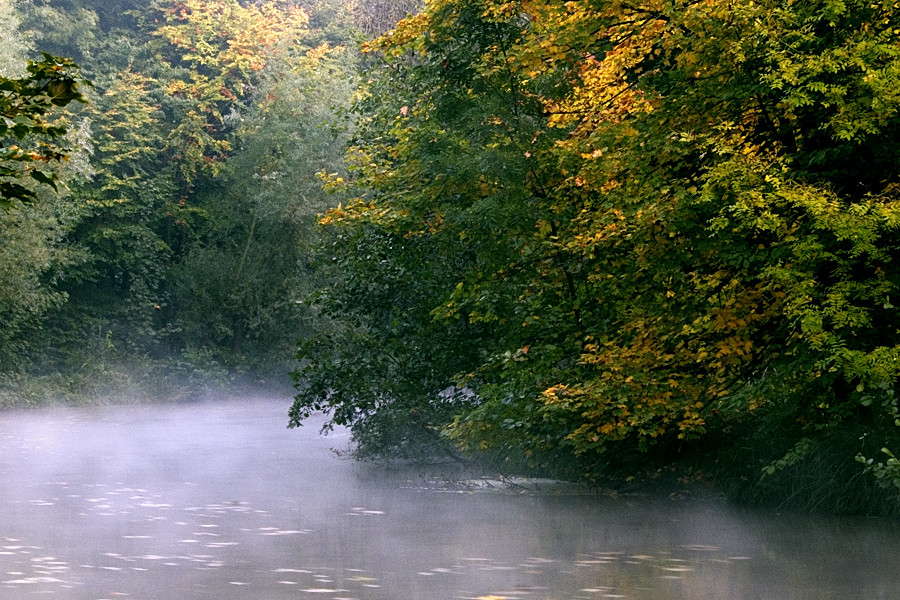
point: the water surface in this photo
(219, 501)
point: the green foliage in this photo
(401, 338)
(677, 220)
(35, 219)
(122, 224)
(886, 473)
(193, 185)
(240, 286)
(33, 257)
(179, 218)
(382, 368)
(64, 28)
(25, 104)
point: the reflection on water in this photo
(220, 501)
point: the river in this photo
(219, 501)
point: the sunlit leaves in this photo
(215, 53)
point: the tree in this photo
(240, 288)
(25, 104)
(662, 223)
(213, 54)
(442, 165)
(171, 100)
(746, 253)
(34, 219)
(195, 184)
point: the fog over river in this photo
(219, 501)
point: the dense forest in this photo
(588, 239)
(171, 248)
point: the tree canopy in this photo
(621, 231)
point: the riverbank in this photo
(828, 481)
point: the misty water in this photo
(220, 501)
